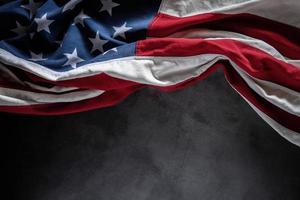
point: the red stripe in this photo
(252, 60)
(283, 37)
(286, 119)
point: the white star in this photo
(71, 5)
(120, 31)
(113, 49)
(19, 29)
(32, 7)
(97, 43)
(80, 18)
(73, 59)
(43, 23)
(36, 57)
(108, 5)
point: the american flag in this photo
(60, 57)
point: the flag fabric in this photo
(60, 57)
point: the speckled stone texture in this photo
(203, 142)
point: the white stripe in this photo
(55, 89)
(278, 95)
(288, 134)
(285, 11)
(294, 62)
(221, 35)
(14, 97)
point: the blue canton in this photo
(63, 35)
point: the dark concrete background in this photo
(203, 142)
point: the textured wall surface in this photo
(203, 142)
